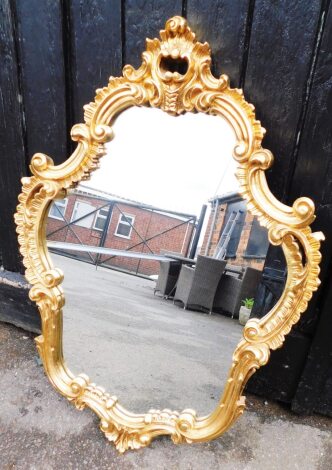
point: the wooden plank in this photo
(16, 307)
(95, 31)
(144, 19)
(225, 25)
(282, 41)
(313, 178)
(12, 148)
(281, 55)
(43, 77)
(314, 388)
(278, 380)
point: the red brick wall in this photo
(75, 233)
(146, 225)
(240, 259)
(219, 220)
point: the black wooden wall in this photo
(55, 53)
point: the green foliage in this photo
(248, 303)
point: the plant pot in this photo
(244, 315)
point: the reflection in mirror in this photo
(162, 262)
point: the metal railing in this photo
(67, 239)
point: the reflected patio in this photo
(159, 355)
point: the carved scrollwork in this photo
(175, 76)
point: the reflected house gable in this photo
(131, 225)
(247, 241)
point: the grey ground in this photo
(140, 347)
(40, 430)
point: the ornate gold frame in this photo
(196, 90)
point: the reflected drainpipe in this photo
(105, 231)
(198, 232)
(207, 248)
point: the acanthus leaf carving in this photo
(193, 89)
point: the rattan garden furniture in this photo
(235, 287)
(168, 275)
(196, 286)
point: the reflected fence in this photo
(124, 235)
(118, 233)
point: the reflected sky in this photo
(176, 163)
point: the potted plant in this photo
(245, 310)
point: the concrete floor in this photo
(145, 350)
(40, 430)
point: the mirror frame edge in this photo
(194, 91)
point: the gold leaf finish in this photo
(193, 89)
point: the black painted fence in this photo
(55, 53)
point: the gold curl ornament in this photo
(192, 88)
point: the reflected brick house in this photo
(97, 218)
(248, 242)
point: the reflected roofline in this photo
(105, 196)
(227, 197)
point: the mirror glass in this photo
(162, 263)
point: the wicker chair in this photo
(196, 287)
(235, 287)
(168, 275)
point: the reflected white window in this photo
(58, 209)
(83, 213)
(100, 220)
(124, 226)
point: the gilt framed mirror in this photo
(145, 250)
